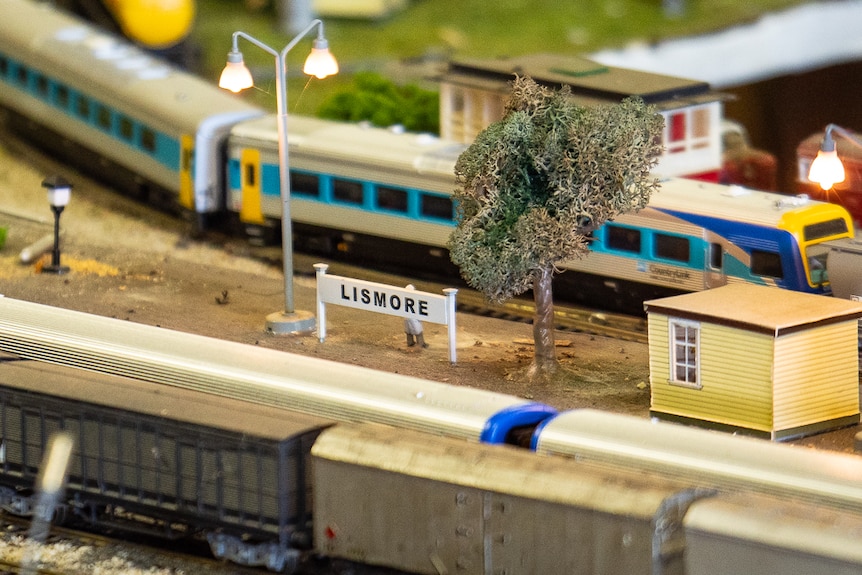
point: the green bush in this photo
(3, 230)
(375, 99)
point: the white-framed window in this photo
(685, 353)
(688, 129)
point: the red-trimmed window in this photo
(676, 133)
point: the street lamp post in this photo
(236, 77)
(59, 193)
(827, 168)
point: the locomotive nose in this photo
(154, 23)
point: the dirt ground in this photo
(134, 264)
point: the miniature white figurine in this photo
(413, 329)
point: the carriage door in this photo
(251, 208)
(186, 198)
(713, 269)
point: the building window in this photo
(700, 128)
(688, 129)
(676, 127)
(700, 123)
(685, 353)
(676, 133)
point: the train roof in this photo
(359, 142)
(498, 468)
(829, 533)
(708, 458)
(121, 393)
(108, 67)
(734, 203)
(256, 374)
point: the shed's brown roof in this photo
(758, 308)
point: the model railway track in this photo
(566, 318)
(67, 541)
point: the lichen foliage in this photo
(534, 185)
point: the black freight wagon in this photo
(176, 462)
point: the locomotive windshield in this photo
(828, 228)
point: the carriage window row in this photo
(79, 105)
(386, 198)
(665, 246)
(677, 248)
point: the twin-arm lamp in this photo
(236, 77)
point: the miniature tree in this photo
(534, 185)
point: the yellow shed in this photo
(753, 359)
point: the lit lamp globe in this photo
(235, 76)
(320, 62)
(59, 192)
(827, 168)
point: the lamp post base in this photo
(55, 269)
(281, 323)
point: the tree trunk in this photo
(545, 358)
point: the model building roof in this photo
(761, 309)
(591, 83)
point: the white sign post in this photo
(382, 298)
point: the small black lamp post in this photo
(59, 192)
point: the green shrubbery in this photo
(384, 103)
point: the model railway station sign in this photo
(382, 298)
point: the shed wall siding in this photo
(735, 373)
(816, 375)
